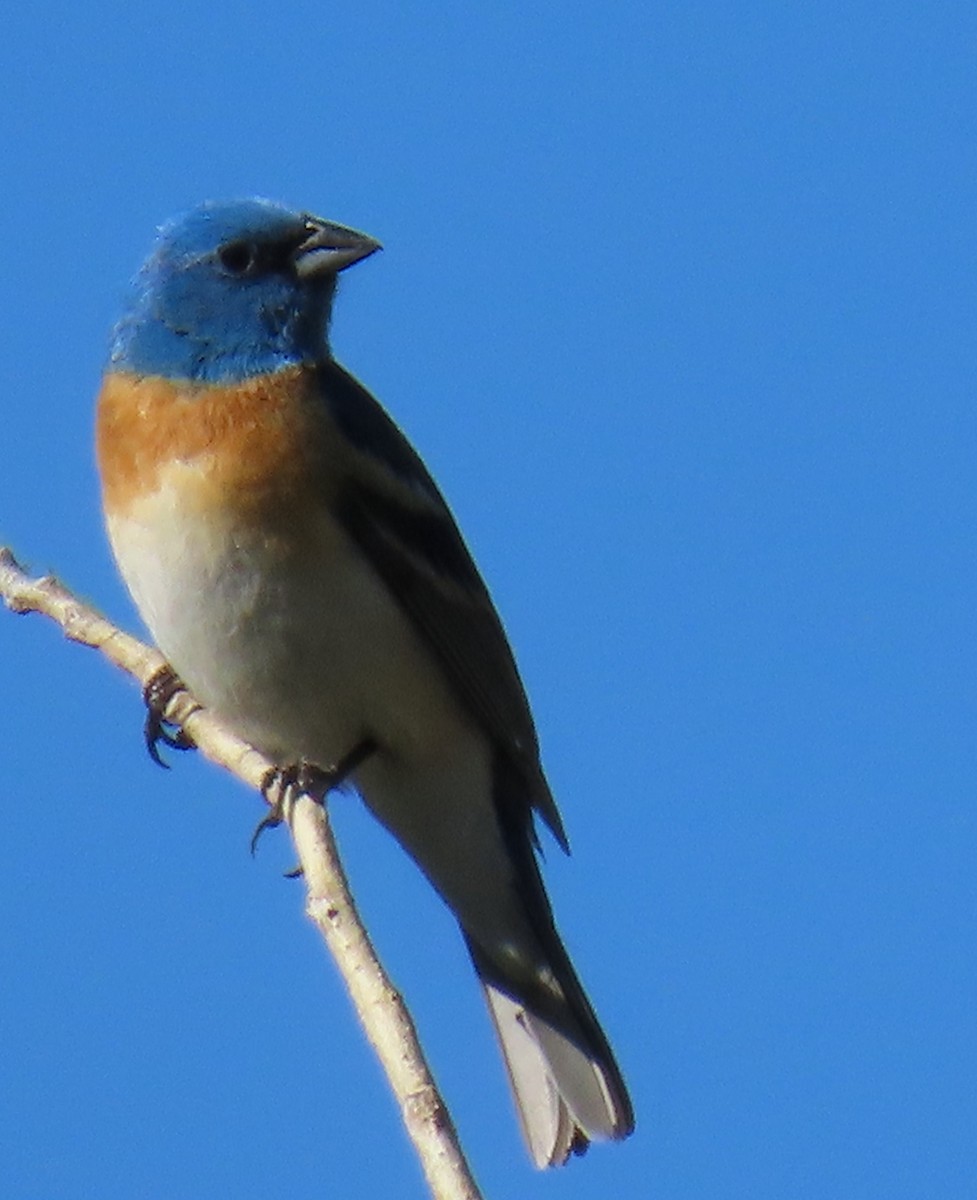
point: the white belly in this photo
(303, 652)
(297, 645)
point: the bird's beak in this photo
(331, 248)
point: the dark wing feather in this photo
(396, 515)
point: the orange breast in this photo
(255, 445)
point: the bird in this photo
(298, 567)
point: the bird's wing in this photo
(391, 507)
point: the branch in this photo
(329, 904)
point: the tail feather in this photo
(566, 1085)
(548, 1127)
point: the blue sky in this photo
(677, 302)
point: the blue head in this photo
(234, 289)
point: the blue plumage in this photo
(219, 301)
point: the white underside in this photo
(304, 655)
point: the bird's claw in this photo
(157, 694)
(281, 783)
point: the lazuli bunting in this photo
(299, 568)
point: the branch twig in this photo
(329, 904)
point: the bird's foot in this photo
(280, 784)
(157, 694)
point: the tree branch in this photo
(329, 904)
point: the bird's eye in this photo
(238, 258)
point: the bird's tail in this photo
(567, 1087)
